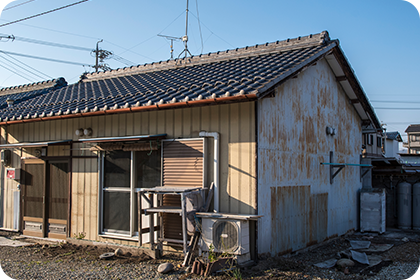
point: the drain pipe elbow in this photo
(215, 136)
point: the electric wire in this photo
(129, 50)
(390, 101)
(52, 44)
(199, 26)
(172, 22)
(213, 32)
(43, 13)
(393, 108)
(8, 8)
(57, 31)
(122, 60)
(17, 60)
(14, 65)
(26, 78)
(47, 59)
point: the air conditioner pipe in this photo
(215, 135)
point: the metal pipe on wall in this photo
(215, 136)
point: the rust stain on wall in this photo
(298, 218)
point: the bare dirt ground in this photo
(300, 265)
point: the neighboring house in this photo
(392, 140)
(265, 123)
(413, 139)
(373, 145)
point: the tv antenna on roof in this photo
(183, 38)
(172, 42)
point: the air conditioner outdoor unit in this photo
(226, 236)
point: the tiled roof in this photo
(222, 76)
(395, 135)
(413, 128)
(229, 76)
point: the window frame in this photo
(133, 233)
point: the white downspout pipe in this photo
(215, 135)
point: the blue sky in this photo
(380, 38)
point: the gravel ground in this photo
(68, 261)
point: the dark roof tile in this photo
(413, 128)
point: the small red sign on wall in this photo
(13, 173)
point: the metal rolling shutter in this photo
(183, 165)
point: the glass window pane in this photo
(116, 212)
(148, 169)
(117, 169)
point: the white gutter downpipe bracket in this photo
(215, 135)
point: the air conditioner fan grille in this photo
(225, 236)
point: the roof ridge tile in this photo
(248, 51)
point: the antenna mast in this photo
(185, 37)
(172, 42)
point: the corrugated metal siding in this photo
(292, 143)
(234, 122)
(182, 165)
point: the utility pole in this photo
(100, 56)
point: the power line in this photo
(26, 78)
(199, 26)
(45, 75)
(18, 5)
(57, 31)
(52, 44)
(47, 12)
(15, 65)
(391, 101)
(47, 59)
(213, 32)
(391, 108)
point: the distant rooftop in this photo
(413, 128)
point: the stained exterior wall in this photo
(299, 204)
(234, 122)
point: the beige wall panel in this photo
(246, 157)
(234, 159)
(108, 125)
(177, 124)
(93, 199)
(144, 117)
(136, 123)
(129, 124)
(153, 122)
(101, 124)
(37, 131)
(195, 122)
(169, 122)
(122, 124)
(90, 198)
(161, 122)
(186, 122)
(224, 160)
